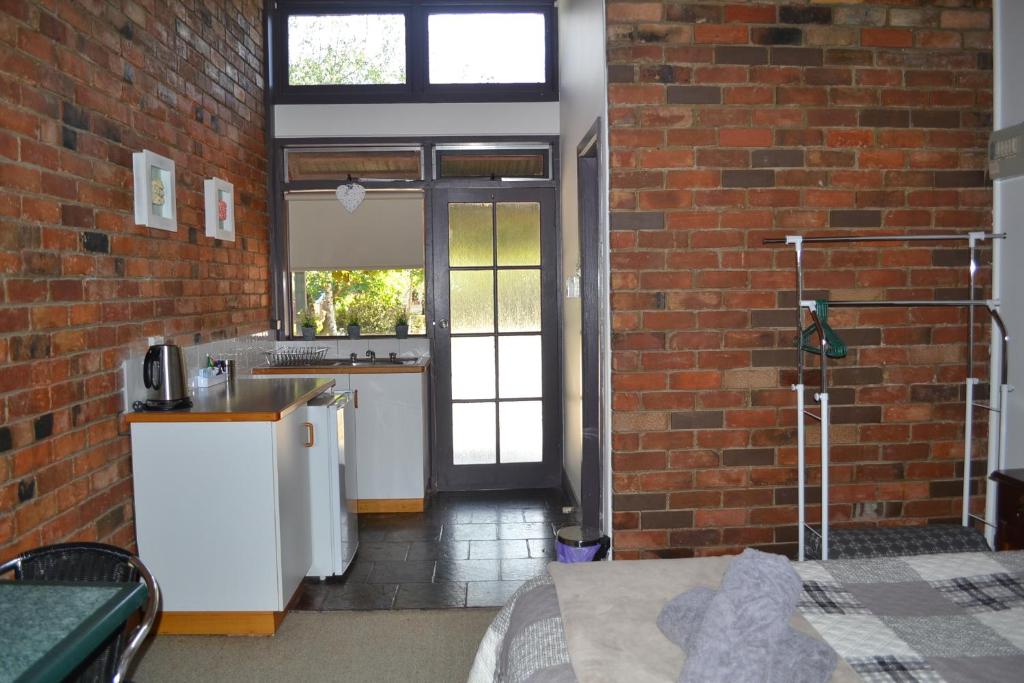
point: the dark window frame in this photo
(417, 87)
(281, 294)
(441, 151)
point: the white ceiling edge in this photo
(416, 119)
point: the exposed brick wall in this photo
(732, 122)
(83, 85)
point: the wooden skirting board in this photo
(224, 623)
(372, 505)
(219, 623)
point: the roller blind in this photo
(386, 231)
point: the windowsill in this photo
(359, 338)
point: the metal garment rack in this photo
(996, 456)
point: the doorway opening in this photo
(496, 339)
(588, 155)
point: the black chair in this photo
(95, 562)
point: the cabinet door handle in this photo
(309, 434)
(355, 399)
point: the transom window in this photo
(415, 51)
(346, 49)
(486, 48)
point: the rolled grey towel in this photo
(799, 658)
(741, 632)
(681, 617)
(764, 577)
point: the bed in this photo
(948, 617)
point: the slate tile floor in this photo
(467, 550)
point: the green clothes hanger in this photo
(834, 346)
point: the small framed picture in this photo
(155, 196)
(220, 209)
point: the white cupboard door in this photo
(389, 433)
(295, 533)
(205, 516)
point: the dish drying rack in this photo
(295, 355)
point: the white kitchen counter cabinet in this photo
(222, 514)
(392, 437)
(391, 441)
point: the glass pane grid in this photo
(500, 367)
(519, 301)
(473, 372)
(472, 301)
(518, 233)
(492, 268)
(470, 234)
(346, 49)
(519, 366)
(486, 47)
(473, 427)
(521, 431)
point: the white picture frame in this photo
(155, 191)
(220, 220)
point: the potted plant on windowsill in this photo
(307, 322)
(353, 327)
(402, 324)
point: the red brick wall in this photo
(83, 85)
(732, 122)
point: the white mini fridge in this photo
(332, 484)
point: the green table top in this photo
(48, 628)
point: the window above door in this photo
(340, 51)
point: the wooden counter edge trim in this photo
(377, 505)
(306, 397)
(158, 417)
(225, 623)
(343, 370)
(260, 416)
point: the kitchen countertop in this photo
(328, 369)
(242, 400)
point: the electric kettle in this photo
(163, 373)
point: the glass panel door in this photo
(495, 339)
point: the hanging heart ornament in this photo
(350, 196)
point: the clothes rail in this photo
(997, 435)
(903, 303)
(960, 237)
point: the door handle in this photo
(355, 399)
(443, 324)
(310, 440)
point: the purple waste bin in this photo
(580, 544)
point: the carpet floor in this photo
(407, 645)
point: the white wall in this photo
(583, 97)
(1009, 213)
(415, 119)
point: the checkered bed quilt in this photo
(951, 617)
(955, 617)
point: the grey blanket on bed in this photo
(955, 617)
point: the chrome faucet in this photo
(371, 355)
(353, 356)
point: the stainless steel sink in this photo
(365, 362)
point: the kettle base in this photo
(176, 404)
